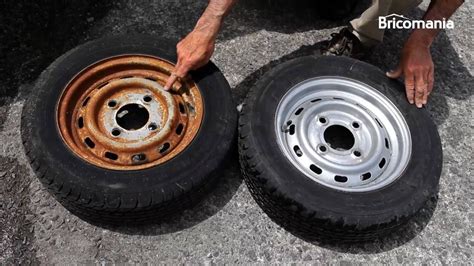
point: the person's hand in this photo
(416, 65)
(194, 51)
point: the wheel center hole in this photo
(132, 116)
(339, 137)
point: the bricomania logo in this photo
(395, 21)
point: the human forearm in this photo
(195, 50)
(437, 10)
(213, 17)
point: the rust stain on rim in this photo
(115, 114)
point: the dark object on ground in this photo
(336, 165)
(332, 10)
(120, 192)
(28, 30)
(335, 9)
(345, 43)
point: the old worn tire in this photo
(136, 196)
(308, 208)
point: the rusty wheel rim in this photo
(116, 115)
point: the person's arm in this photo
(195, 50)
(416, 64)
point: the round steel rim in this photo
(343, 134)
(116, 115)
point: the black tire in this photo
(144, 195)
(314, 211)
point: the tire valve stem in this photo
(286, 127)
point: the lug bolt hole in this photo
(147, 98)
(152, 126)
(357, 153)
(116, 132)
(323, 120)
(112, 103)
(355, 125)
(323, 148)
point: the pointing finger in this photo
(173, 77)
(171, 80)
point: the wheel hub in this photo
(115, 114)
(343, 134)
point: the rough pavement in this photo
(228, 226)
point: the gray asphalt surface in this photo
(228, 226)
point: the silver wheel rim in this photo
(343, 134)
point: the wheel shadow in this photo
(215, 199)
(247, 17)
(34, 34)
(286, 17)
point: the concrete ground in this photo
(228, 226)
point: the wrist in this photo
(421, 37)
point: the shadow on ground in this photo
(289, 16)
(34, 33)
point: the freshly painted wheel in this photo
(112, 145)
(330, 147)
(337, 135)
